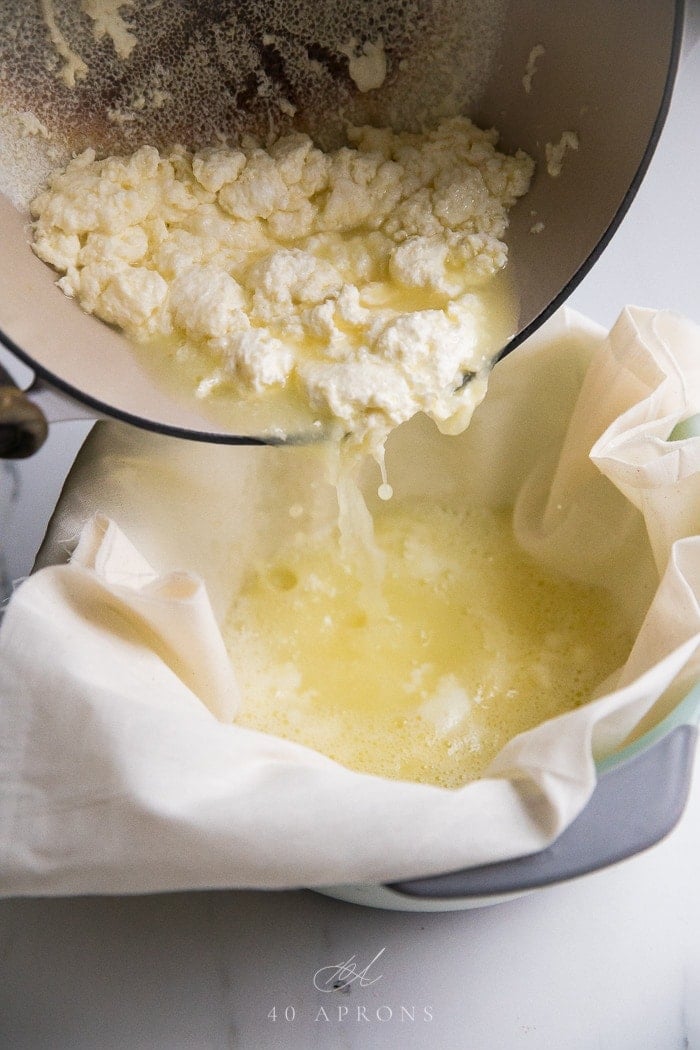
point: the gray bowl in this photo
(639, 797)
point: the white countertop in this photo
(610, 961)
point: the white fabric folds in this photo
(121, 767)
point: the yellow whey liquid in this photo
(469, 643)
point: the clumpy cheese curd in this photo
(362, 282)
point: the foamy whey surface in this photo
(465, 643)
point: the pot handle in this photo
(25, 414)
(636, 803)
(23, 426)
